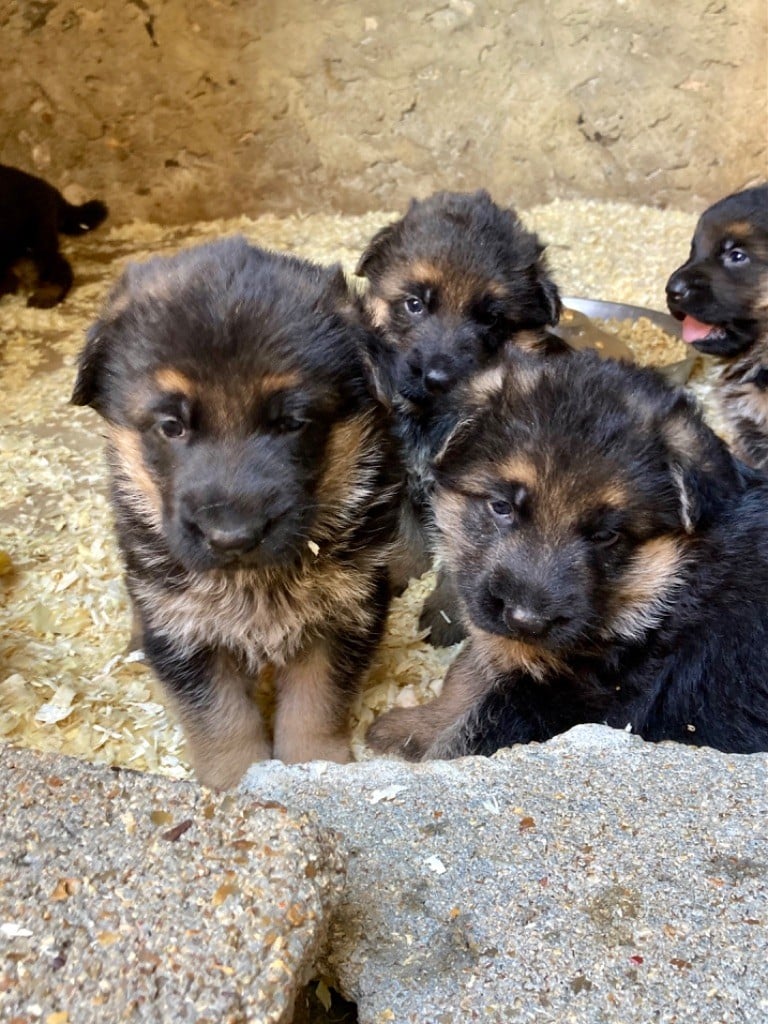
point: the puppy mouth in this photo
(712, 339)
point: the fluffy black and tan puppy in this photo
(32, 215)
(721, 295)
(255, 488)
(450, 285)
(612, 564)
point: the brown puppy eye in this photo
(502, 509)
(172, 427)
(735, 256)
(605, 538)
(288, 424)
(414, 305)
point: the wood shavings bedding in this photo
(65, 683)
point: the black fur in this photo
(32, 215)
(612, 558)
(255, 486)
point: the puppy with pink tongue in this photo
(721, 296)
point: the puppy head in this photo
(721, 292)
(567, 497)
(236, 399)
(449, 284)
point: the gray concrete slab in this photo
(130, 898)
(595, 879)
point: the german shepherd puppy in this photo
(255, 489)
(721, 295)
(612, 564)
(32, 215)
(450, 285)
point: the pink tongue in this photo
(695, 330)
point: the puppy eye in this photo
(734, 257)
(414, 305)
(172, 427)
(288, 424)
(605, 538)
(500, 508)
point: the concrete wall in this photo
(178, 110)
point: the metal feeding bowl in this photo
(579, 325)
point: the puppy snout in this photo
(682, 285)
(519, 610)
(227, 531)
(438, 375)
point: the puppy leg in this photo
(440, 613)
(411, 556)
(223, 728)
(9, 282)
(311, 714)
(54, 272)
(419, 733)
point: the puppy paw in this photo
(400, 731)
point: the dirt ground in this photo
(195, 109)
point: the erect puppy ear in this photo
(377, 250)
(456, 428)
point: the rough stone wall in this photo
(177, 110)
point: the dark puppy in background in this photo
(255, 487)
(450, 285)
(612, 564)
(32, 216)
(721, 295)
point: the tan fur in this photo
(271, 383)
(738, 230)
(133, 477)
(347, 478)
(518, 470)
(170, 379)
(647, 588)
(308, 726)
(266, 617)
(507, 655)
(227, 735)
(486, 384)
(378, 310)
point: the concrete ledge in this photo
(595, 879)
(127, 898)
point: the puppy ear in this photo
(88, 389)
(455, 430)
(549, 296)
(377, 250)
(703, 472)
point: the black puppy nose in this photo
(235, 540)
(526, 621)
(438, 373)
(678, 288)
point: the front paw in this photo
(445, 627)
(400, 731)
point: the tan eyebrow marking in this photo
(169, 379)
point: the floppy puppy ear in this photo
(703, 472)
(377, 250)
(549, 296)
(88, 389)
